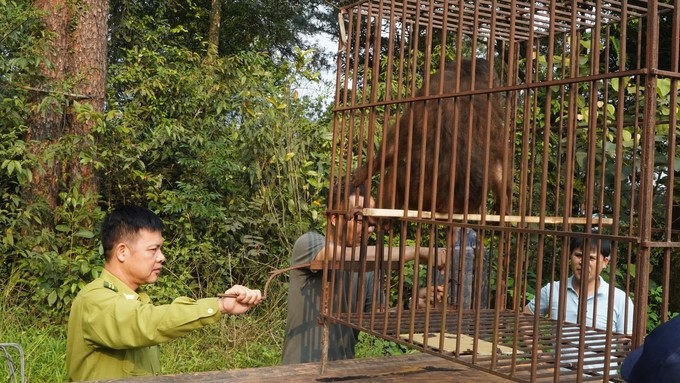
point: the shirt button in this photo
(210, 311)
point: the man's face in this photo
(355, 224)
(594, 262)
(143, 257)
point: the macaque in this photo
(469, 125)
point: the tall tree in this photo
(45, 125)
(74, 82)
(214, 31)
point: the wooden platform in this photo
(410, 368)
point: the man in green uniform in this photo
(114, 329)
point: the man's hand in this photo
(239, 299)
(428, 296)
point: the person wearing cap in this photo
(658, 359)
(303, 334)
(113, 328)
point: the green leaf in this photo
(610, 109)
(8, 239)
(63, 228)
(52, 298)
(10, 167)
(84, 268)
(580, 158)
(663, 86)
(85, 234)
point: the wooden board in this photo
(412, 368)
(397, 213)
(466, 344)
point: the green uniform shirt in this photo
(113, 332)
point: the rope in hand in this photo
(270, 279)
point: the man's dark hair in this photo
(602, 245)
(127, 221)
(340, 192)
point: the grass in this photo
(237, 342)
(44, 346)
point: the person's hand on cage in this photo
(433, 296)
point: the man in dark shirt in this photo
(303, 333)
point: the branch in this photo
(40, 90)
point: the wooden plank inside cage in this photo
(399, 213)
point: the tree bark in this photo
(78, 58)
(87, 55)
(214, 32)
(45, 127)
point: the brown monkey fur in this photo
(482, 108)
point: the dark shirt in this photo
(303, 333)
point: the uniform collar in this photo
(120, 287)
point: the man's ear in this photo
(121, 251)
(605, 262)
(333, 219)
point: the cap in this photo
(658, 359)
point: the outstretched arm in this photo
(389, 253)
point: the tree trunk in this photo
(87, 55)
(47, 126)
(214, 32)
(78, 58)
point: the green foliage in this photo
(372, 346)
(615, 141)
(222, 148)
(43, 345)
(21, 52)
(238, 342)
(54, 265)
(34, 260)
(276, 27)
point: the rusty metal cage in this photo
(576, 116)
